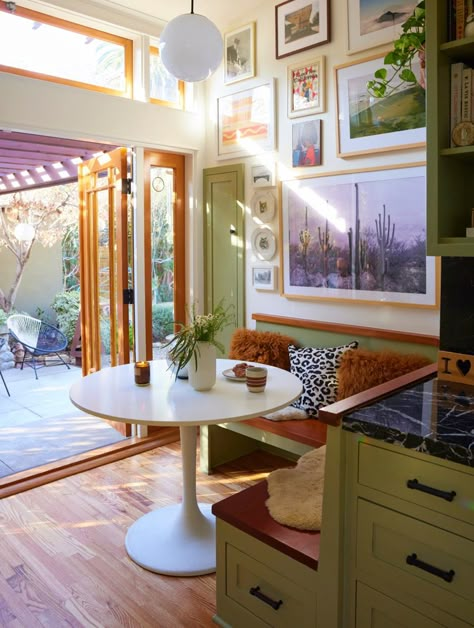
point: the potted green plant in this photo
(194, 345)
(407, 49)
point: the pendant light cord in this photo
(192, 6)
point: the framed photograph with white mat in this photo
(264, 277)
(374, 125)
(372, 23)
(306, 88)
(358, 236)
(239, 54)
(246, 121)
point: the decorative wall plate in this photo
(263, 206)
(264, 243)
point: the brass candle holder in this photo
(142, 373)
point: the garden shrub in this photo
(67, 306)
(162, 320)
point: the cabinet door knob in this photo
(424, 488)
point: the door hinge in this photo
(126, 186)
(128, 296)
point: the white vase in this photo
(202, 367)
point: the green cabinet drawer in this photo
(272, 597)
(375, 610)
(429, 563)
(392, 472)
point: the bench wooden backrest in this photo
(313, 333)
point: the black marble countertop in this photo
(435, 418)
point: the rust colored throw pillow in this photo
(266, 347)
(362, 369)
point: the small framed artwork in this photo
(300, 25)
(264, 243)
(263, 207)
(246, 121)
(306, 143)
(366, 124)
(375, 22)
(358, 236)
(239, 54)
(262, 175)
(306, 88)
(264, 277)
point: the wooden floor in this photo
(62, 555)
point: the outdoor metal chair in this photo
(38, 338)
(4, 383)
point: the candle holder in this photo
(142, 373)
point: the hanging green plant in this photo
(408, 49)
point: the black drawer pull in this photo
(447, 495)
(436, 571)
(268, 600)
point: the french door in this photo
(164, 245)
(105, 260)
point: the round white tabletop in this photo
(179, 539)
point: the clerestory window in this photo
(46, 47)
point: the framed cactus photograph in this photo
(360, 236)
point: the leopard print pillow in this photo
(317, 370)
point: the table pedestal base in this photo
(167, 541)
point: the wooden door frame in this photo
(176, 162)
(89, 254)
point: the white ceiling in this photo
(221, 12)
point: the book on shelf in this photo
(466, 86)
(460, 17)
(457, 71)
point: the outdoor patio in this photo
(39, 424)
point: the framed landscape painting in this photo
(246, 122)
(358, 236)
(366, 124)
(300, 25)
(373, 23)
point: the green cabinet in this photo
(450, 189)
(410, 553)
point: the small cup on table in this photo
(142, 373)
(256, 378)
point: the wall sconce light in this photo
(191, 47)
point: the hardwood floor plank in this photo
(63, 560)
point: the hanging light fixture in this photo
(191, 47)
(24, 232)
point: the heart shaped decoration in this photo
(464, 366)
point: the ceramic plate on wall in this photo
(264, 243)
(263, 206)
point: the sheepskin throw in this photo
(266, 347)
(363, 369)
(296, 495)
(287, 414)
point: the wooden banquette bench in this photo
(291, 439)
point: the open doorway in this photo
(54, 382)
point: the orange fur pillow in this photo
(362, 369)
(266, 347)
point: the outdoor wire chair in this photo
(38, 339)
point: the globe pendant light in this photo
(24, 232)
(191, 47)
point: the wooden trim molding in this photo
(372, 332)
(333, 414)
(26, 480)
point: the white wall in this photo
(41, 281)
(384, 316)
